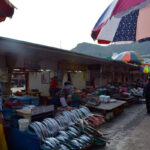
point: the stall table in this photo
(130, 100)
(113, 107)
(37, 113)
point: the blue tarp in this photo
(17, 140)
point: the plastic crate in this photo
(8, 113)
(35, 102)
(27, 99)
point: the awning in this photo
(49, 57)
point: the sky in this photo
(56, 23)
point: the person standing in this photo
(65, 94)
(53, 86)
(3, 145)
(146, 94)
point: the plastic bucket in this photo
(23, 124)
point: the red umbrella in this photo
(123, 20)
(6, 9)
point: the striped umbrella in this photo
(123, 20)
(130, 57)
(145, 68)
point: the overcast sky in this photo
(56, 23)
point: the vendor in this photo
(65, 94)
(53, 86)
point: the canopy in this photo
(130, 57)
(145, 68)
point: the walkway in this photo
(129, 131)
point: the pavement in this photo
(129, 131)
(139, 139)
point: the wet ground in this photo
(128, 130)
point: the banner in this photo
(45, 77)
(75, 67)
(32, 64)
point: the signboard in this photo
(75, 67)
(41, 109)
(33, 64)
(45, 77)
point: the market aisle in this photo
(139, 139)
(129, 130)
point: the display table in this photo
(37, 113)
(115, 107)
(17, 140)
(130, 100)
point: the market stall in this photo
(86, 74)
(130, 95)
(99, 102)
(111, 109)
(68, 130)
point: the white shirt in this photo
(63, 102)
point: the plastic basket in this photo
(8, 113)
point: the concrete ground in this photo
(129, 131)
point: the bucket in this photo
(23, 124)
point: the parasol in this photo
(130, 57)
(145, 68)
(6, 9)
(123, 20)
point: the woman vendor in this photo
(65, 94)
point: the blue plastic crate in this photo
(27, 99)
(8, 113)
(35, 102)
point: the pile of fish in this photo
(95, 120)
(69, 139)
(62, 132)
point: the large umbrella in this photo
(6, 9)
(123, 20)
(130, 57)
(145, 68)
